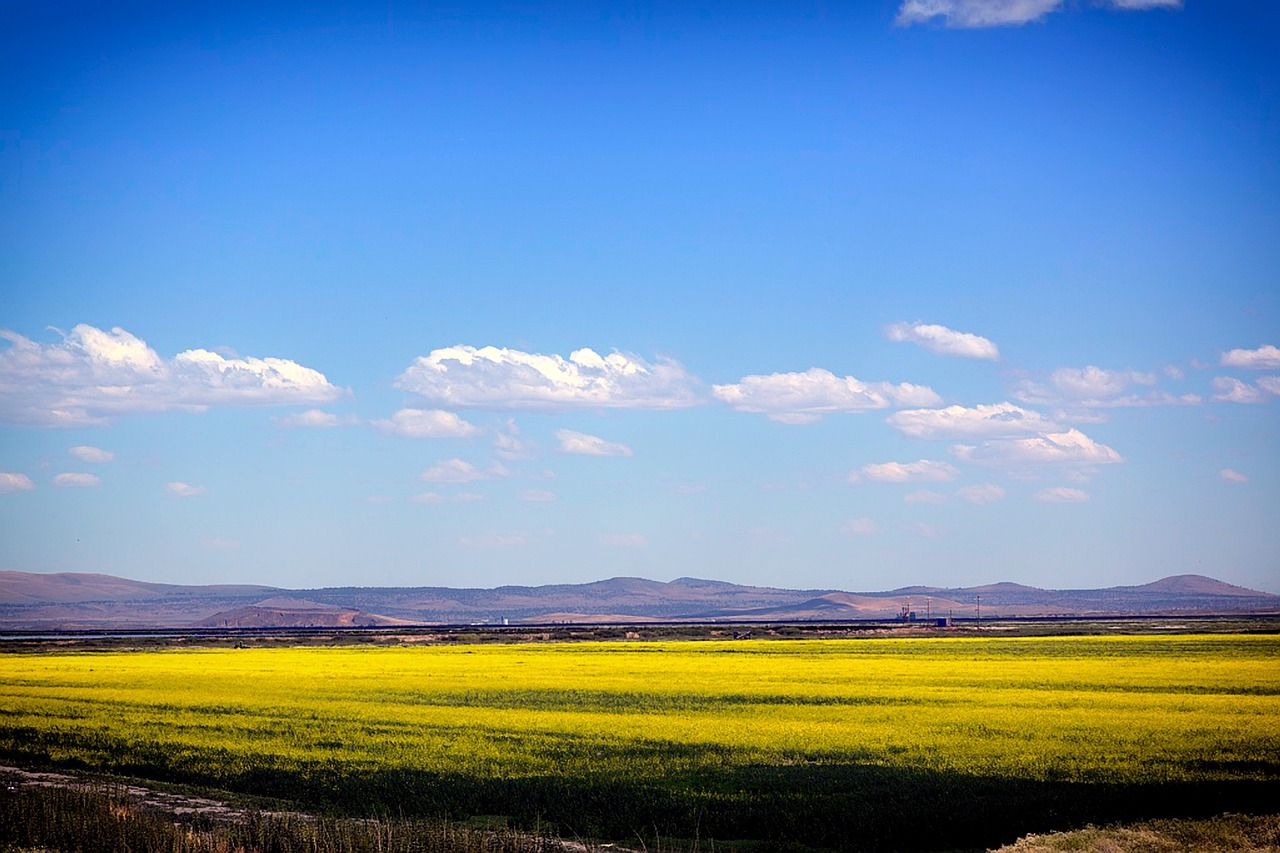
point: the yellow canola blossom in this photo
(1123, 709)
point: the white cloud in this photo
(508, 444)
(1062, 448)
(923, 470)
(1230, 390)
(943, 341)
(589, 445)
(437, 498)
(859, 527)
(425, 423)
(919, 528)
(625, 540)
(13, 482)
(537, 496)
(923, 496)
(453, 471)
(1232, 476)
(801, 398)
(994, 421)
(495, 378)
(86, 453)
(1094, 387)
(975, 13)
(92, 376)
(76, 479)
(1094, 382)
(1266, 357)
(1061, 495)
(971, 14)
(493, 540)
(183, 490)
(984, 493)
(313, 418)
(1270, 384)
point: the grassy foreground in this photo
(864, 744)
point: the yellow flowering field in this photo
(711, 731)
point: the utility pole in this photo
(979, 611)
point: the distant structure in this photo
(907, 616)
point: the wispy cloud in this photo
(974, 14)
(437, 498)
(1093, 387)
(508, 444)
(11, 481)
(984, 493)
(859, 527)
(93, 375)
(923, 470)
(1061, 495)
(494, 378)
(802, 398)
(183, 490)
(425, 423)
(73, 478)
(943, 341)
(625, 540)
(85, 453)
(494, 540)
(537, 496)
(455, 471)
(1228, 389)
(314, 419)
(589, 445)
(1231, 475)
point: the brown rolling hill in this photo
(284, 612)
(33, 601)
(74, 587)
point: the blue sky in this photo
(833, 296)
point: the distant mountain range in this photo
(32, 601)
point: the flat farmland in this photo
(925, 743)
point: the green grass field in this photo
(853, 744)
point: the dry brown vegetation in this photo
(1223, 834)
